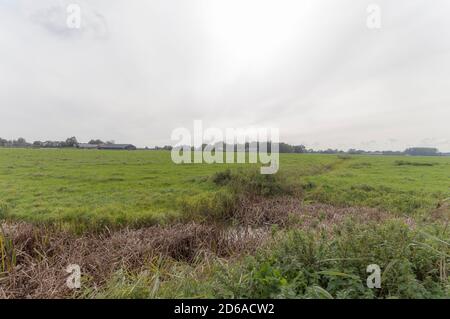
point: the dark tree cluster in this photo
(422, 151)
(21, 142)
(69, 142)
(96, 142)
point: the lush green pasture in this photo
(142, 187)
(325, 257)
(113, 186)
(402, 185)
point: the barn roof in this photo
(116, 146)
(86, 145)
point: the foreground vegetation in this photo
(310, 264)
(143, 227)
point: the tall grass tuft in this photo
(7, 252)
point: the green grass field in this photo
(140, 226)
(145, 187)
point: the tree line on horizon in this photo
(69, 142)
(252, 146)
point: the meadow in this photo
(306, 232)
(145, 187)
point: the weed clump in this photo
(222, 178)
(218, 207)
(344, 156)
(252, 183)
(3, 210)
(239, 188)
(307, 264)
(408, 163)
(7, 252)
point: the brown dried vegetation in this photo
(38, 255)
(42, 255)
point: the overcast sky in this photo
(136, 70)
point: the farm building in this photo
(117, 147)
(87, 146)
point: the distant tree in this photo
(285, 148)
(37, 143)
(353, 151)
(70, 142)
(329, 151)
(299, 149)
(422, 151)
(3, 142)
(96, 142)
(20, 142)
